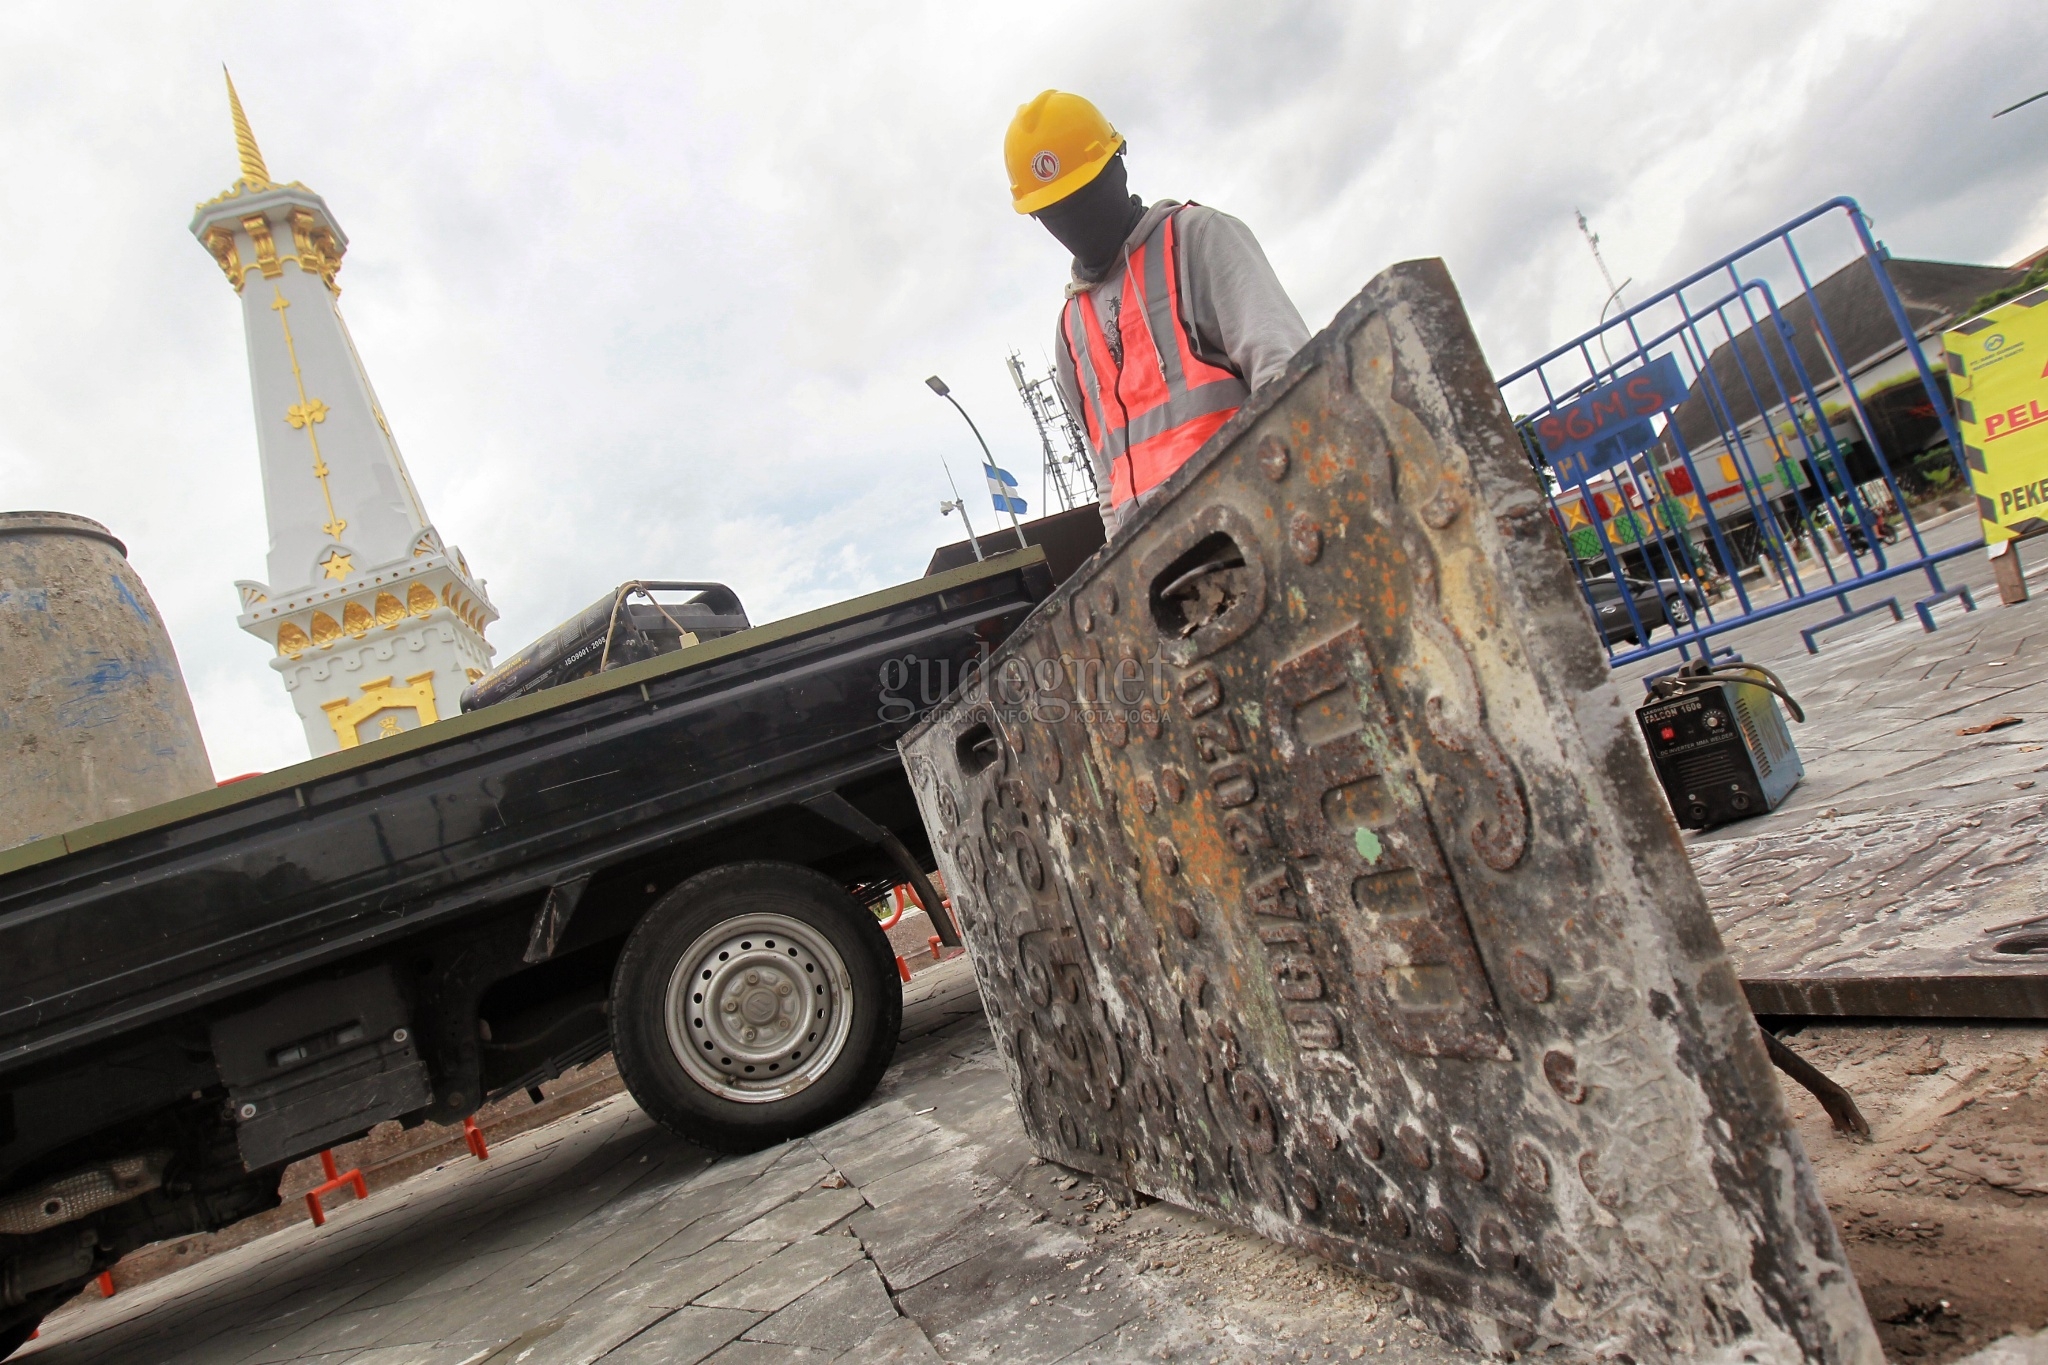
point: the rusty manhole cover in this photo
(1315, 878)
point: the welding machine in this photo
(1719, 742)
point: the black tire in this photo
(1677, 611)
(818, 921)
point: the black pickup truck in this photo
(668, 860)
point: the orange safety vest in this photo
(1163, 401)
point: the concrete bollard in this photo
(2008, 572)
(95, 721)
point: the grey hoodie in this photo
(1237, 315)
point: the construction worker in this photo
(1173, 315)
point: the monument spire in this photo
(376, 625)
(255, 175)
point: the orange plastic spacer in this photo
(474, 1136)
(335, 1180)
(106, 1284)
(902, 967)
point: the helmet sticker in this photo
(1045, 166)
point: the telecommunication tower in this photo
(1067, 466)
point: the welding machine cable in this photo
(1693, 675)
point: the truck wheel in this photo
(754, 1003)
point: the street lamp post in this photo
(938, 386)
(956, 505)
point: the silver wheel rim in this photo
(759, 1008)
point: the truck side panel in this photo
(238, 898)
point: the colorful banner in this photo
(1998, 372)
(1609, 422)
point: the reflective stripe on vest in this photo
(1164, 401)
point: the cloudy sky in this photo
(651, 290)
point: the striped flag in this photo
(1002, 487)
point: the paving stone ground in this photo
(923, 1228)
(1884, 699)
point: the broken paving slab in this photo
(749, 1167)
(893, 1148)
(911, 1243)
(952, 1165)
(593, 1265)
(684, 1337)
(858, 1125)
(581, 1337)
(839, 1313)
(914, 1239)
(698, 1217)
(784, 1277)
(426, 1353)
(901, 1342)
(714, 1213)
(765, 1353)
(1356, 916)
(813, 1211)
(352, 1327)
(1020, 1308)
(696, 1236)
(686, 1279)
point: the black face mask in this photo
(1094, 220)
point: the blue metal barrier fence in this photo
(1711, 455)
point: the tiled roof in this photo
(1933, 293)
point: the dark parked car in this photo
(1664, 602)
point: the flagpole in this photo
(938, 386)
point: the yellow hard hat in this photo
(1056, 144)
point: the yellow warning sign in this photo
(1998, 372)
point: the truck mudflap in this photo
(1315, 878)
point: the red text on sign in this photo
(2014, 419)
